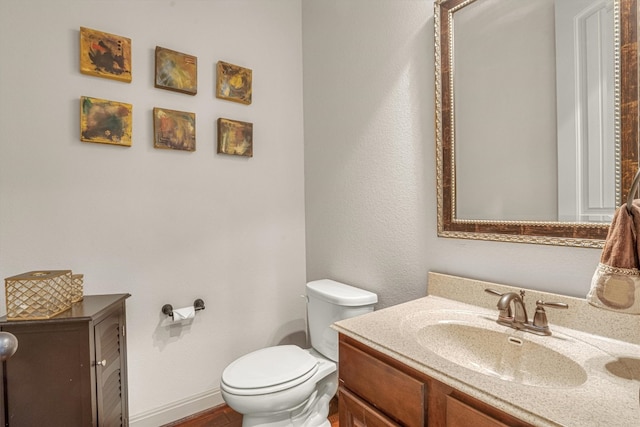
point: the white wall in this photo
(166, 226)
(370, 161)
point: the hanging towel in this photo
(616, 282)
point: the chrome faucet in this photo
(517, 318)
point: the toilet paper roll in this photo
(184, 314)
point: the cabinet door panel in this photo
(109, 370)
(393, 392)
(451, 408)
(355, 412)
(462, 415)
(48, 378)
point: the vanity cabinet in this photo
(70, 370)
(377, 390)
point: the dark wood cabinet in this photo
(70, 370)
(376, 390)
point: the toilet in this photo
(287, 386)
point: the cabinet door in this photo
(460, 414)
(391, 391)
(355, 412)
(48, 380)
(109, 370)
(451, 408)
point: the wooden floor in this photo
(223, 416)
(220, 416)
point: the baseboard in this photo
(177, 410)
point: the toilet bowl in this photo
(281, 386)
(287, 386)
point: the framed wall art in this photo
(105, 55)
(235, 137)
(175, 130)
(106, 122)
(233, 83)
(176, 71)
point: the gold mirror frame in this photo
(589, 235)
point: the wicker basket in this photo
(77, 292)
(38, 294)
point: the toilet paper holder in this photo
(198, 305)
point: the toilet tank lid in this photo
(340, 294)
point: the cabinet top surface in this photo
(90, 307)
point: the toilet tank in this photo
(329, 301)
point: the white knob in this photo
(103, 362)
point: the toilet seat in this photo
(269, 370)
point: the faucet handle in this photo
(540, 318)
(493, 291)
(541, 304)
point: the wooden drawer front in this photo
(357, 413)
(462, 415)
(393, 392)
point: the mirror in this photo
(528, 149)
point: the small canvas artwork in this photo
(174, 130)
(233, 83)
(105, 55)
(106, 122)
(235, 137)
(176, 71)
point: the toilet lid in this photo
(276, 368)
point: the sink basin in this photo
(479, 344)
(502, 355)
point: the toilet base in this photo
(313, 412)
(282, 423)
(257, 421)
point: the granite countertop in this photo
(607, 396)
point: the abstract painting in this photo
(174, 130)
(106, 122)
(176, 71)
(233, 83)
(235, 137)
(105, 55)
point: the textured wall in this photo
(370, 161)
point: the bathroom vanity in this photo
(443, 360)
(408, 397)
(70, 370)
